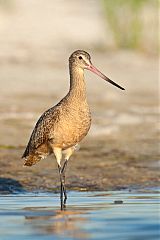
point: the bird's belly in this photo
(68, 133)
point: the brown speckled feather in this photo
(41, 131)
(38, 142)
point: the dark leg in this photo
(63, 180)
(61, 189)
(64, 166)
(61, 197)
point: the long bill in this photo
(96, 71)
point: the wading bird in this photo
(63, 126)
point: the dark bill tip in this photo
(113, 83)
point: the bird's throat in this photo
(77, 83)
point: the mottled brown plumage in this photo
(63, 126)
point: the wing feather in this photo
(41, 130)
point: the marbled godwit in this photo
(63, 126)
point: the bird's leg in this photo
(63, 180)
(64, 166)
(58, 154)
(68, 152)
(61, 188)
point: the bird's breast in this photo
(72, 126)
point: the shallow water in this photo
(88, 215)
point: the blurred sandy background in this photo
(36, 39)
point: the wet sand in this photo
(91, 169)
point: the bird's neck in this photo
(77, 83)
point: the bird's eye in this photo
(80, 57)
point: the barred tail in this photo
(32, 159)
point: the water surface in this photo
(89, 215)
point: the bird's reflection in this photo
(57, 223)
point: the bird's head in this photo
(82, 59)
